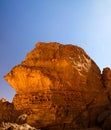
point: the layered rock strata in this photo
(59, 87)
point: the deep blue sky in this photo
(86, 23)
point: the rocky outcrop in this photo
(60, 87)
(53, 66)
(7, 111)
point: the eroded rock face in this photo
(54, 66)
(107, 78)
(58, 86)
(7, 111)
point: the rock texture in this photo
(107, 78)
(60, 87)
(7, 111)
(14, 126)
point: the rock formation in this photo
(60, 87)
(7, 111)
(107, 78)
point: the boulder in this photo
(58, 86)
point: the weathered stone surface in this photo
(103, 116)
(55, 66)
(22, 119)
(14, 126)
(91, 129)
(59, 87)
(107, 123)
(7, 112)
(107, 77)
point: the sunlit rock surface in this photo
(55, 66)
(59, 87)
(14, 126)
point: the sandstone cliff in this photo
(60, 87)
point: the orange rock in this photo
(55, 66)
(107, 78)
(58, 84)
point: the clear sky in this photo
(86, 23)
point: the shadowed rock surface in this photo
(61, 87)
(7, 111)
